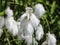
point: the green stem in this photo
(8, 41)
(48, 24)
(46, 18)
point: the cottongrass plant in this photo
(51, 40)
(26, 27)
(29, 23)
(33, 19)
(10, 23)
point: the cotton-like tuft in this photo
(8, 12)
(51, 40)
(33, 19)
(30, 17)
(1, 21)
(23, 23)
(27, 19)
(39, 10)
(10, 23)
(26, 27)
(39, 32)
(29, 22)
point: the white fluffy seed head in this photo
(1, 31)
(11, 25)
(32, 19)
(51, 40)
(1, 21)
(51, 37)
(8, 12)
(39, 10)
(26, 25)
(39, 32)
(24, 20)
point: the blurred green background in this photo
(50, 20)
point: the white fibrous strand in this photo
(31, 17)
(1, 25)
(1, 21)
(28, 29)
